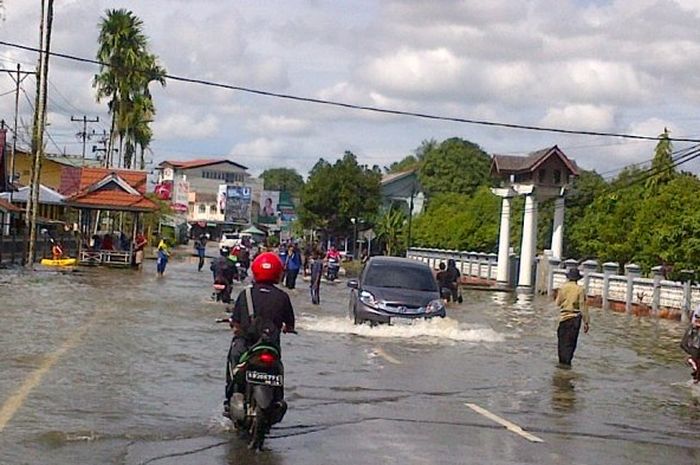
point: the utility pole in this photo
(84, 134)
(39, 124)
(17, 76)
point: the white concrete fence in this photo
(604, 285)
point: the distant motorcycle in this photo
(332, 269)
(258, 402)
(221, 292)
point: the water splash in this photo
(434, 331)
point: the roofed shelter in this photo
(112, 193)
(540, 175)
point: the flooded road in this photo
(121, 367)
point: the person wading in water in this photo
(571, 300)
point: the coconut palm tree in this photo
(126, 72)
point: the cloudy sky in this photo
(616, 66)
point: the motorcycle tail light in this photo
(267, 358)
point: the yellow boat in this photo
(61, 262)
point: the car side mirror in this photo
(353, 284)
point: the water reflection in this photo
(564, 390)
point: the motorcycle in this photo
(258, 402)
(332, 269)
(221, 292)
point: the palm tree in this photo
(126, 72)
(389, 229)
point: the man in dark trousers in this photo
(316, 267)
(272, 310)
(200, 246)
(571, 300)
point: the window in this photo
(557, 176)
(542, 175)
(212, 208)
(202, 208)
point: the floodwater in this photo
(121, 367)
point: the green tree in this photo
(456, 221)
(124, 78)
(336, 193)
(414, 160)
(455, 165)
(662, 164)
(283, 179)
(390, 229)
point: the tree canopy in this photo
(454, 166)
(335, 193)
(283, 179)
(127, 71)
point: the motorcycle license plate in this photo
(257, 377)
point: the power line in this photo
(352, 106)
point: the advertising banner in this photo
(164, 190)
(286, 208)
(238, 202)
(180, 195)
(221, 199)
(269, 201)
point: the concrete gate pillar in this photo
(529, 243)
(503, 267)
(558, 229)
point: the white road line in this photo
(379, 351)
(512, 427)
(15, 401)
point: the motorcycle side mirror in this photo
(353, 284)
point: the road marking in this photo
(379, 351)
(15, 401)
(512, 427)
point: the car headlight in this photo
(435, 306)
(368, 299)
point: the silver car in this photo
(395, 291)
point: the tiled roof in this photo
(112, 195)
(8, 207)
(90, 176)
(198, 163)
(507, 164)
(204, 197)
(113, 199)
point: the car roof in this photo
(383, 260)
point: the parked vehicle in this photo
(395, 291)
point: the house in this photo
(58, 172)
(403, 190)
(52, 208)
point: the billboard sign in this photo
(238, 202)
(269, 201)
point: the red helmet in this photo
(267, 268)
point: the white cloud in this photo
(281, 125)
(583, 117)
(185, 126)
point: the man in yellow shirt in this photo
(571, 300)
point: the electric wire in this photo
(352, 106)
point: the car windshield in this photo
(230, 236)
(400, 277)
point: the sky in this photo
(623, 66)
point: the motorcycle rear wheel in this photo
(259, 429)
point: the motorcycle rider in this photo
(333, 263)
(272, 310)
(224, 271)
